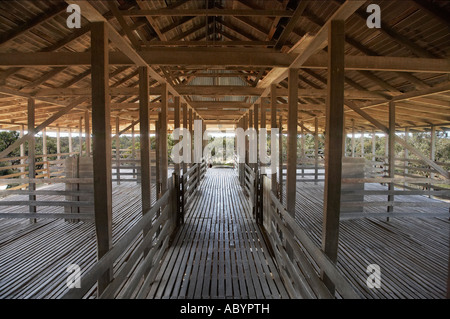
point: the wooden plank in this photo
(144, 136)
(102, 145)
(292, 142)
(333, 144)
(391, 152)
(163, 137)
(206, 12)
(31, 153)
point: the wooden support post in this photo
(333, 144)
(45, 152)
(280, 159)
(176, 179)
(361, 139)
(344, 137)
(245, 127)
(291, 174)
(185, 126)
(263, 126)
(102, 144)
(144, 139)
(255, 126)
(158, 157)
(241, 166)
(31, 155)
(273, 125)
(118, 150)
(406, 155)
(432, 153)
(80, 135)
(70, 142)
(391, 153)
(303, 153)
(163, 137)
(87, 132)
(58, 142)
(133, 148)
(386, 150)
(316, 150)
(22, 151)
(374, 144)
(353, 138)
(176, 109)
(191, 124)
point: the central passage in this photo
(219, 252)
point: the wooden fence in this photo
(299, 259)
(133, 279)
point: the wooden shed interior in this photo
(142, 226)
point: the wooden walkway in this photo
(413, 253)
(219, 252)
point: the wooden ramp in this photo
(219, 252)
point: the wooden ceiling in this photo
(221, 56)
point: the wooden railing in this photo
(297, 263)
(190, 182)
(134, 278)
(49, 171)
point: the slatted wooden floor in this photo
(413, 253)
(34, 257)
(219, 251)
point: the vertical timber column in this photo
(391, 153)
(250, 126)
(176, 110)
(80, 135)
(280, 159)
(144, 129)
(185, 123)
(102, 144)
(333, 144)
(362, 143)
(374, 145)
(255, 125)
(316, 150)
(406, 155)
(291, 174)
(44, 152)
(240, 165)
(70, 142)
(157, 157)
(31, 155)
(22, 152)
(344, 137)
(163, 137)
(58, 142)
(263, 126)
(133, 148)
(245, 126)
(432, 153)
(87, 132)
(118, 150)
(353, 138)
(303, 152)
(273, 125)
(191, 144)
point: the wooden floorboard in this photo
(412, 252)
(219, 251)
(34, 257)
